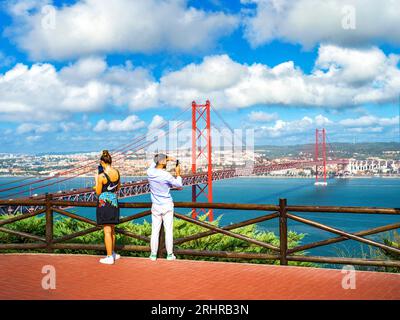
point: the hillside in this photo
(384, 150)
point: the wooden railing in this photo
(282, 211)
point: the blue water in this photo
(373, 192)
(52, 185)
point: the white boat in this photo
(321, 183)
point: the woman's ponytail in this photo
(106, 157)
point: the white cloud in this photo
(283, 128)
(369, 120)
(40, 92)
(83, 70)
(101, 26)
(298, 129)
(69, 126)
(366, 130)
(341, 78)
(130, 123)
(260, 116)
(26, 128)
(35, 128)
(321, 121)
(156, 122)
(33, 139)
(41, 128)
(376, 22)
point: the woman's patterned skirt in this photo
(107, 209)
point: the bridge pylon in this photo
(201, 150)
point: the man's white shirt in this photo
(161, 181)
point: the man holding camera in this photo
(162, 209)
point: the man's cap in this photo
(159, 157)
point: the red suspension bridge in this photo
(200, 179)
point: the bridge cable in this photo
(75, 176)
(90, 163)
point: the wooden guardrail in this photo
(283, 212)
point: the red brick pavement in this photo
(83, 277)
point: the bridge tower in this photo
(320, 135)
(201, 150)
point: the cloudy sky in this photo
(79, 75)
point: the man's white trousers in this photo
(159, 214)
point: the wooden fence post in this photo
(49, 222)
(283, 233)
(161, 242)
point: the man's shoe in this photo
(171, 257)
(153, 257)
(116, 256)
(107, 260)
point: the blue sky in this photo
(86, 75)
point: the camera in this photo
(100, 169)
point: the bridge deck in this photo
(82, 277)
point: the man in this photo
(162, 209)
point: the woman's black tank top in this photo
(110, 186)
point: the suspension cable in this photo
(90, 163)
(137, 148)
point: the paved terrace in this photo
(82, 277)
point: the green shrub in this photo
(369, 252)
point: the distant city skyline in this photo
(117, 78)
(366, 159)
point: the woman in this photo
(107, 213)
